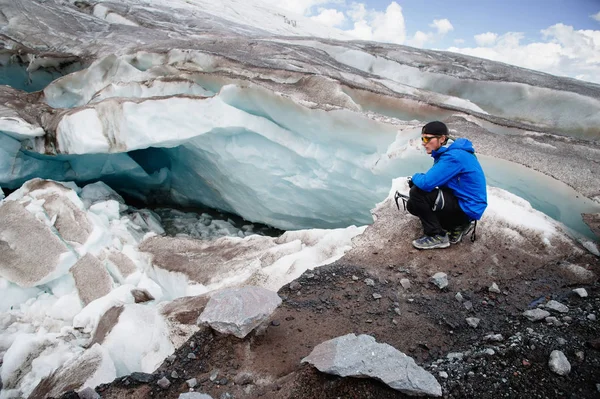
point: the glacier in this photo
(292, 132)
(248, 110)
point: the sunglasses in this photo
(427, 139)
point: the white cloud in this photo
(385, 26)
(486, 39)
(419, 39)
(459, 41)
(443, 26)
(596, 16)
(565, 51)
(329, 17)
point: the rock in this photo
(370, 282)
(455, 356)
(578, 273)
(489, 352)
(238, 311)
(558, 363)
(194, 395)
(376, 296)
(581, 292)
(536, 314)
(494, 288)
(192, 382)
(142, 377)
(405, 283)
(141, 295)
(468, 305)
(361, 356)
(557, 306)
(553, 320)
(473, 321)
(580, 356)
(164, 383)
(591, 317)
(295, 286)
(88, 393)
(440, 280)
(561, 341)
(494, 338)
(174, 375)
(443, 374)
(191, 356)
(458, 297)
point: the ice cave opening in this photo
(25, 72)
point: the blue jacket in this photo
(457, 168)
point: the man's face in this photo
(431, 142)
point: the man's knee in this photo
(416, 200)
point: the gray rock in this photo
(468, 305)
(561, 341)
(440, 280)
(494, 288)
(578, 274)
(174, 375)
(489, 352)
(88, 393)
(459, 297)
(443, 374)
(473, 321)
(581, 292)
(142, 377)
(455, 356)
(192, 356)
(536, 314)
(598, 387)
(238, 311)
(194, 395)
(494, 338)
(294, 286)
(164, 383)
(591, 317)
(361, 356)
(370, 282)
(405, 283)
(192, 382)
(553, 320)
(354, 278)
(557, 306)
(377, 296)
(558, 363)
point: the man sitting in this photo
(452, 195)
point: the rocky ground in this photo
(383, 288)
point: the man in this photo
(452, 195)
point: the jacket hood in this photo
(458, 144)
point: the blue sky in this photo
(561, 37)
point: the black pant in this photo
(436, 222)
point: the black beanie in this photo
(435, 128)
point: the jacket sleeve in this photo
(440, 173)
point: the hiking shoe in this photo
(455, 235)
(431, 242)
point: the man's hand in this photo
(410, 182)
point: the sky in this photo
(561, 37)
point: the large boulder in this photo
(238, 311)
(361, 356)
